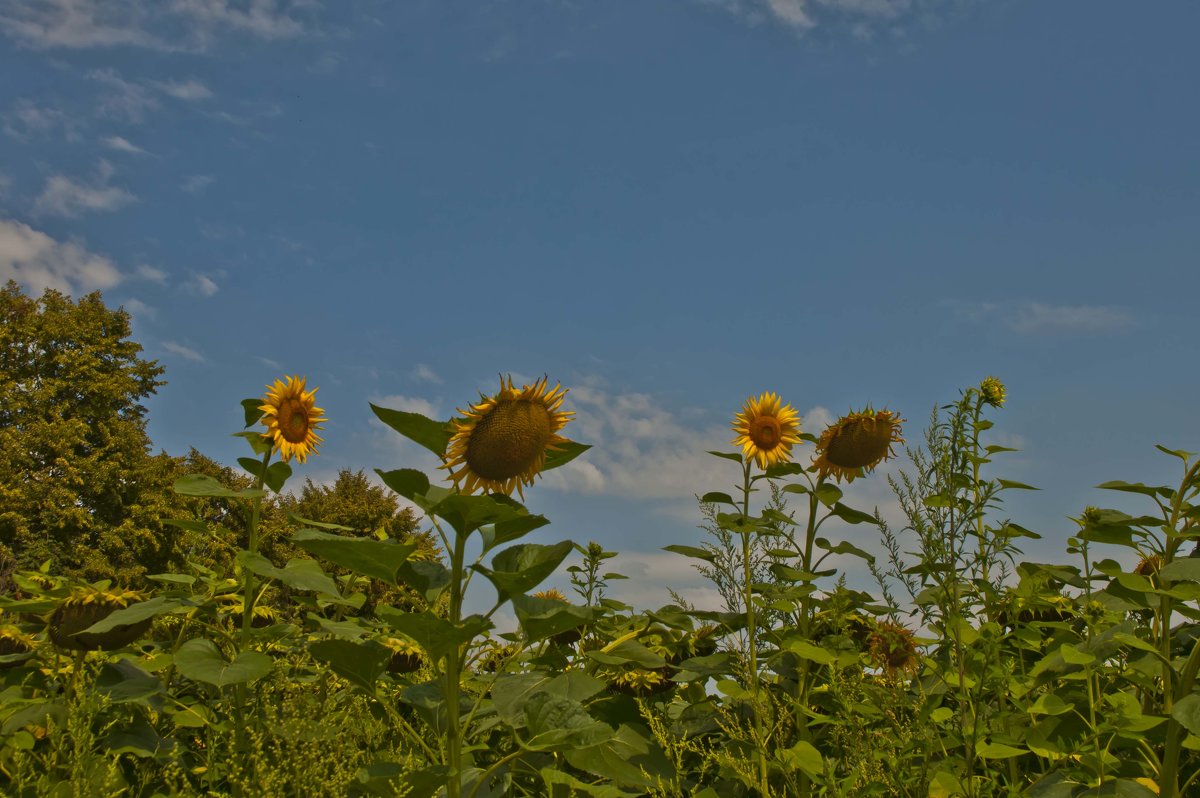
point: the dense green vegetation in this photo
(171, 626)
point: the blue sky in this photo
(665, 205)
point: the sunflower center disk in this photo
(510, 440)
(766, 432)
(293, 421)
(860, 445)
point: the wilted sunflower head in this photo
(501, 442)
(893, 647)
(292, 418)
(406, 657)
(1149, 565)
(857, 442)
(641, 681)
(992, 391)
(766, 429)
(13, 641)
(89, 605)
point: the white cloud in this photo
(197, 183)
(37, 261)
(63, 196)
(201, 285)
(1040, 317)
(121, 144)
(860, 17)
(424, 373)
(642, 450)
(28, 120)
(183, 351)
(408, 404)
(122, 99)
(792, 12)
(155, 24)
(185, 89)
(271, 364)
(147, 272)
(137, 307)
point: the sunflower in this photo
(857, 443)
(992, 391)
(894, 648)
(13, 641)
(292, 418)
(501, 442)
(767, 430)
(88, 605)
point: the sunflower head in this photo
(857, 443)
(406, 657)
(992, 391)
(554, 594)
(90, 605)
(1149, 565)
(893, 647)
(766, 430)
(292, 418)
(641, 682)
(13, 641)
(500, 443)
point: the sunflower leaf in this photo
(276, 474)
(408, 482)
(253, 410)
(433, 435)
(523, 567)
(259, 443)
(436, 635)
(200, 660)
(299, 574)
(717, 497)
(563, 453)
(359, 663)
(852, 516)
(734, 456)
(361, 555)
(204, 485)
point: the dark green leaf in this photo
(201, 661)
(300, 574)
(408, 482)
(1135, 487)
(204, 485)
(376, 558)
(844, 547)
(436, 635)
(521, 568)
(433, 435)
(828, 493)
(542, 618)
(717, 497)
(259, 443)
(1011, 485)
(136, 613)
(628, 651)
(253, 411)
(360, 663)
(691, 551)
(852, 516)
(563, 453)
(734, 456)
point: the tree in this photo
(78, 485)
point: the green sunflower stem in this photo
(453, 675)
(752, 637)
(248, 587)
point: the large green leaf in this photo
(542, 618)
(200, 660)
(628, 651)
(433, 435)
(521, 568)
(204, 485)
(430, 579)
(300, 574)
(135, 613)
(805, 757)
(852, 516)
(436, 635)
(376, 558)
(359, 663)
(408, 482)
(1187, 712)
(563, 453)
(558, 723)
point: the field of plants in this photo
(284, 655)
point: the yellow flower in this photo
(554, 594)
(766, 430)
(292, 418)
(857, 443)
(501, 443)
(992, 391)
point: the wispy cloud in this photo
(197, 183)
(860, 17)
(121, 144)
(184, 89)
(1031, 318)
(139, 309)
(37, 261)
(185, 352)
(424, 373)
(65, 196)
(122, 99)
(27, 120)
(201, 285)
(148, 272)
(178, 25)
(409, 404)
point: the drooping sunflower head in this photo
(500, 443)
(89, 605)
(857, 442)
(292, 418)
(641, 682)
(406, 657)
(13, 641)
(992, 391)
(1149, 565)
(894, 648)
(766, 430)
